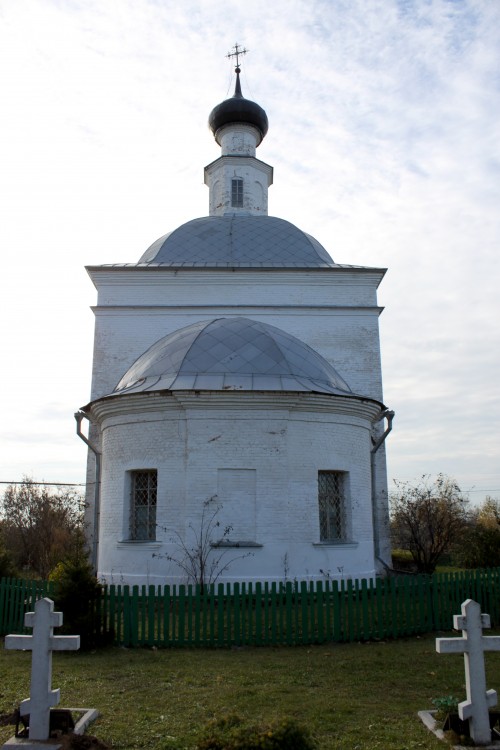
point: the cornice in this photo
(262, 309)
(140, 268)
(163, 402)
(247, 160)
(156, 274)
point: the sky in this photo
(385, 142)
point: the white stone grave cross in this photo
(42, 643)
(472, 645)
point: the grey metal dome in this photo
(231, 354)
(236, 240)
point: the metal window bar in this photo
(237, 193)
(143, 505)
(331, 505)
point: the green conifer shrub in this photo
(78, 596)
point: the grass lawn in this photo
(351, 696)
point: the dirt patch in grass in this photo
(68, 741)
(83, 742)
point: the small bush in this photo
(231, 733)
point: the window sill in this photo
(145, 543)
(336, 543)
(232, 545)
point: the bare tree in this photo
(428, 518)
(204, 558)
(40, 526)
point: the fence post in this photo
(258, 614)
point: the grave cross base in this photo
(42, 643)
(88, 715)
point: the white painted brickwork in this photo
(191, 441)
(238, 140)
(255, 176)
(314, 306)
(347, 336)
(238, 143)
(127, 285)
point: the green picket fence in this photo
(17, 597)
(272, 613)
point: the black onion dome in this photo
(238, 109)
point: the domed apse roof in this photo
(237, 109)
(236, 240)
(231, 354)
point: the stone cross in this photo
(472, 645)
(42, 643)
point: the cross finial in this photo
(237, 52)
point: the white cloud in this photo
(384, 136)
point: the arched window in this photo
(237, 192)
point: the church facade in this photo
(237, 394)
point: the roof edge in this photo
(234, 399)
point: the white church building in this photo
(237, 375)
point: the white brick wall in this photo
(190, 440)
(256, 176)
(238, 143)
(334, 311)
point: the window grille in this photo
(143, 505)
(237, 193)
(331, 500)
